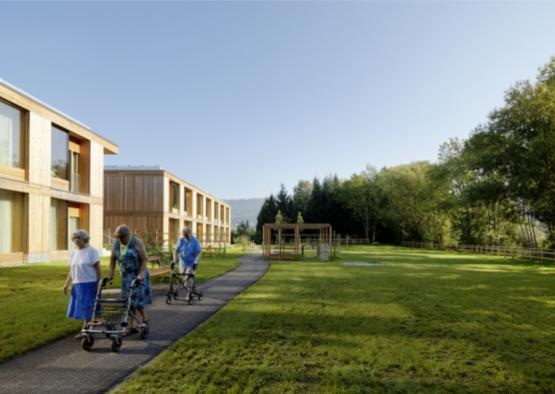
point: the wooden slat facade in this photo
(145, 200)
(36, 186)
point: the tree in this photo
(365, 199)
(284, 204)
(267, 214)
(301, 196)
(516, 148)
(412, 201)
(244, 229)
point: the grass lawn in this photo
(33, 306)
(423, 321)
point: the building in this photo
(51, 179)
(158, 204)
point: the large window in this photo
(11, 221)
(174, 195)
(60, 153)
(58, 224)
(11, 136)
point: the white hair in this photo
(81, 234)
(123, 229)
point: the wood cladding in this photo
(155, 201)
(133, 194)
(39, 189)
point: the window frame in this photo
(20, 171)
(61, 181)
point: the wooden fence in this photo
(536, 254)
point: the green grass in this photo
(33, 306)
(423, 321)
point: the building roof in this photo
(157, 169)
(60, 113)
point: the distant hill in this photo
(245, 209)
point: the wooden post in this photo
(297, 240)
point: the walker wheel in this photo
(87, 342)
(116, 344)
(143, 332)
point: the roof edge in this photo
(110, 147)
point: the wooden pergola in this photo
(324, 238)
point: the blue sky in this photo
(238, 97)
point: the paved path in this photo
(63, 367)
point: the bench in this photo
(157, 268)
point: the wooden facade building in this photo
(156, 203)
(51, 179)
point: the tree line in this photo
(496, 187)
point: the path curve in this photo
(63, 367)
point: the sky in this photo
(239, 97)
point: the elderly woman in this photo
(129, 253)
(84, 274)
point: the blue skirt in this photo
(81, 302)
(140, 296)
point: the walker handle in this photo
(136, 282)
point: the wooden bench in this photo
(157, 268)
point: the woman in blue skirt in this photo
(84, 274)
(129, 254)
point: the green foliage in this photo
(300, 219)
(421, 322)
(514, 154)
(244, 241)
(243, 229)
(279, 217)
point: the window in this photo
(11, 136)
(174, 195)
(188, 201)
(11, 221)
(74, 182)
(200, 205)
(58, 224)
(60, 153)
(174, 232)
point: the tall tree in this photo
(365, 199)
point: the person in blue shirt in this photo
(189, 251)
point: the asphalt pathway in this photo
(64, 367)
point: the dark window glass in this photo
(60, 153)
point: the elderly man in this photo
(129, 253)
(189, 251)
